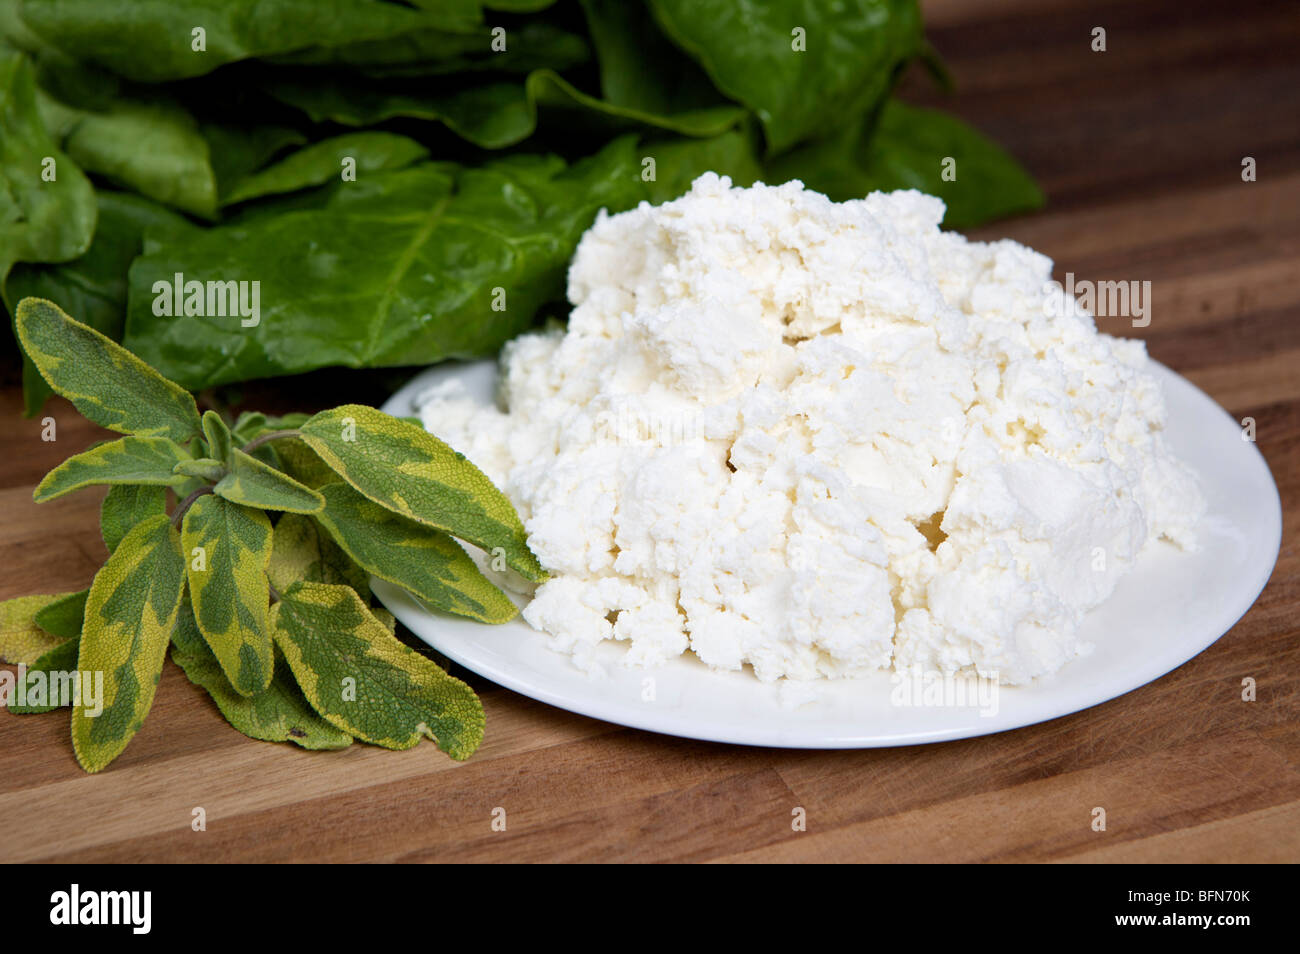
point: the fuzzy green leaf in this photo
(129, 618)
(218, 436)
(303, 464)
(412, 473)
(280, 714)
(227, 548)
(248, 426)
(62, 618)
(203, 469)
(255, 484)
(52, 673)
(21, 640)
(106, 383)
(302, 550)
(126, 505)
(418, 558)
(127, 460)
(362, 679)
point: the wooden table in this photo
(1140, 150)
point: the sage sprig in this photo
(247, 547)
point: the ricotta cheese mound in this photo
(821, 439)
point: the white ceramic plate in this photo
(1170, 607)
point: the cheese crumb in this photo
(819, 439)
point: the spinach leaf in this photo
(47, 207)
(639, 68)
(239, 151)
(397, 268)
(906, 148)
(492, 116)
(530, 45)
(678, 162)
(323, 161)
(749, 48)
(495, 115)
(153, 40)
(152, 146)
(93, 286)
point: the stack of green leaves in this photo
(258, 577)
(205, 138)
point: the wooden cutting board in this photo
(1140, 151)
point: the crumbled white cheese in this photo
(820, 439)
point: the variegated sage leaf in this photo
(416, 557)
(63, 617)
(385, 617)
(218, 436)
(255, 484)
(301, 549)
(303, 464)
(21, 640)
(130, 612)
(104, 381)
(227, 548)
(127, 460)
(248, 425)
(53, 674)
(280, 714)
(410, 472)
(362, 679)
(206, 469)
(124, 506)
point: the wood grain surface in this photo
(1139, 149)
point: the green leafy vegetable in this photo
(52, 673)
(22, 641)
(361, 679)
(750, 49)
(93, 285)
(125, 506)
(218, 436)
(228, 548)
(154, 40)
(908, 150)
(47, 207)
(511, 226)
(128, 460)
(62, 618)
(405, 469)
(425, 561)
(103, 380)
(279, 714)
(255, 484)
(150, 145)
(323, 161)
(240, 571)
(130, 612)
(301, 549)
